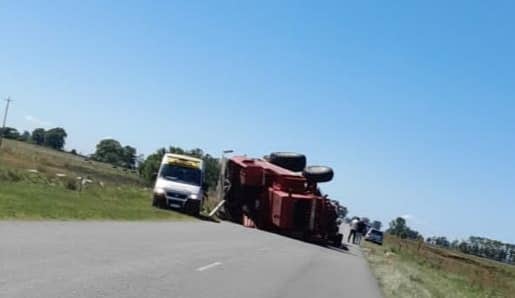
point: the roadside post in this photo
(8, 100)
(221, 183)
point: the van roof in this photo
(183, 161)
(180, 156)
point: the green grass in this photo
(29, 201)
(49, 162)
(114, 194)
(410, 269)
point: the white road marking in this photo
(209, 266)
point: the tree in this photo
(376, 225)
(212, 167)
(55, 138)
(464, 247)
(399, 228)
(109, 151)
(140, 159)
(38, 136)
(442, 241)
(24, 137)
(150, 166)
(9, 133)
(341, 210)
(129, 156)
(176, 150)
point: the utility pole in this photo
(8, 100)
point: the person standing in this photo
(353, 230)
(361, 230)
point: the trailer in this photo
(278, 193)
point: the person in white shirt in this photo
(353, 229)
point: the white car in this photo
(375, 236)
(179, 183)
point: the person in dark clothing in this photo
(361, 231)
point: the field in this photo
(41, 183)
(406, 268)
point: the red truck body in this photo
(273, 198)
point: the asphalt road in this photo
(167, 259)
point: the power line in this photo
(8, 101)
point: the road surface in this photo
(172, 259)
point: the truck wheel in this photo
(292, 161)
(318, 173)
(338, 240)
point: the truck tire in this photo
(338, 240)
(318, 173)
(289, 160)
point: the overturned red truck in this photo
(279, 193)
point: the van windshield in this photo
(181, 174)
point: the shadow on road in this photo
(345, 249)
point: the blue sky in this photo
(412, 104)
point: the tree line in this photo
(478, 246)
(111, 151)
(53, 138)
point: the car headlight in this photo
(159, 191)
(193, 196)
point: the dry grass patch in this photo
(406, 268)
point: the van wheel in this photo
(192, 208)
(159, 202)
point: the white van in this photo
(179, 183)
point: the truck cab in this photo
(179, 183)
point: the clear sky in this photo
(413, 105)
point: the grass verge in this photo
(34, 201)
(407, 268)
(41, 183)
